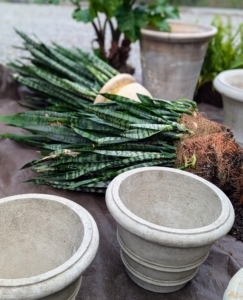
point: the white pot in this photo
(234, 289)
(230, 85)
(122, 85)
(46, 243)
(167, 220)
(172, 61)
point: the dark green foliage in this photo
(86, 149)
(125, 18)
(62, 78)
(225, 51)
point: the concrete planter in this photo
(172, 61)
(123, 85)
(234, 289)
(167, 220)
(230, 85)
(46, 243)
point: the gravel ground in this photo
(49, 23)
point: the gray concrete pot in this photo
(234, 289)
(172, 61)
(230, 85)
(46, 243)
(167, 220)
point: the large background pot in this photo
(167, 221)
(230, 85)
(46, 243)
(172, 61)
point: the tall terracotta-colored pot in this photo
(172, 61)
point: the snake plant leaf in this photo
(157, 127)
(46, 88)
(110, 175)
(81, 159)
(87, 168)
(41, 47)
(24, 119)
(123, 120)
(112, 140)
(57, 66)
(139, 133)
(29, 139)
(79, 66)
(97, 62)
(135, 108)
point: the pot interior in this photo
(169, 199)
(183, 28)
(234, 80)
(36, 236)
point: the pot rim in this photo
(222, 86)
(204, 33)
(165, 235)
(74, 266)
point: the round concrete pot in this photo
(230, 85)
(234, 289)
(172, 61)
(46, 243)
(122, 85)
(167, 220)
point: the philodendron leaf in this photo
(131, 21)
(159, 22)
(84, 15)
(160, 12)
(104, 6)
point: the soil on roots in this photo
(219, 159)
(202, 126)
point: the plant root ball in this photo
(219, 159)
(201, 126)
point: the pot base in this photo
(151, 284)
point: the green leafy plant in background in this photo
(124, 18)
(225, 51)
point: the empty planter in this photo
(172, 61)
(167, 220)
(234, 289)
(46, 243)
(230, 85)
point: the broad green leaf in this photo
(83, 15)
(131, 21)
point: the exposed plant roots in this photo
(219, 159)
(202, 126)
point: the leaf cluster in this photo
(225, 51)
(84, 150)
(130, 16)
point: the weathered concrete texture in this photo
(47, 242)
(165, 231)
(229, 84)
